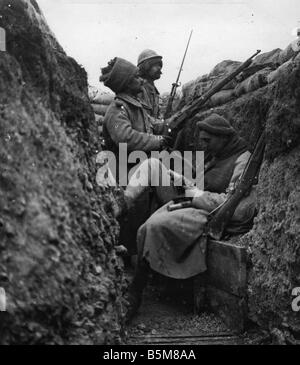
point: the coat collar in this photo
(129, 99)
(150, 86)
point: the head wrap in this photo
(217, 125)
(118, 74)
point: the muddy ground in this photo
(167, 316)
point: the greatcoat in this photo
(150, 96)
(172, 241)
(127, 121)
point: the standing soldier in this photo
(150, 65)
(127, 121)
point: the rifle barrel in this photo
(175, 84)
(187, 46)
(222, 215)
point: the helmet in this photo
(147, 54)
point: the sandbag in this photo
(99, 108)
(287, 54)
(221, 97)
(186, 88)
(282, 71)
(252, 83)
(207, 83)
(253, 69)
(201, 78)
(187, 92)
(230, 85)
(103, 99)
(224, 68)
(296, 60)
(201, 87)
(92, 92)
(267, 57)
(99, 119)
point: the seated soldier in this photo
(169, 242)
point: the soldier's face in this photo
(211, 143)
(155, 71)
(136, 83)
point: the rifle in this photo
(175, 85)
(192, 109)
(223, 213)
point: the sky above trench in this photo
(95, 31)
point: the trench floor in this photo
(166, 316)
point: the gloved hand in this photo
(172, 119)
(166, 142)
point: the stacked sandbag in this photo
(224, 68)
(282, 71)
(100, 105)
(267, 60)
(164, 99)
(265, 68)
(218, 73)
(254, 82)
(92, 92)
(221, 97)
(202, 84)
(195, 88)
(271, 57)
(187, 92)
(289, 52)
(103, 99)
(99, 109)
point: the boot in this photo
(136, 289)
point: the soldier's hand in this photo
(171, 120)
(166, 142)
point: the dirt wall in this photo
(58, 265)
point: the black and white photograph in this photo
(150, 175)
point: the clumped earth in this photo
(59, 266)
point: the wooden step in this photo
(226, 267)
(201, 339)
(222, 289)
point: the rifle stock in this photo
(222, 215)
(192, 109)
(168, 111)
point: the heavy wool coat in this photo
(172, 241)
(150, 96)
(127, 121)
